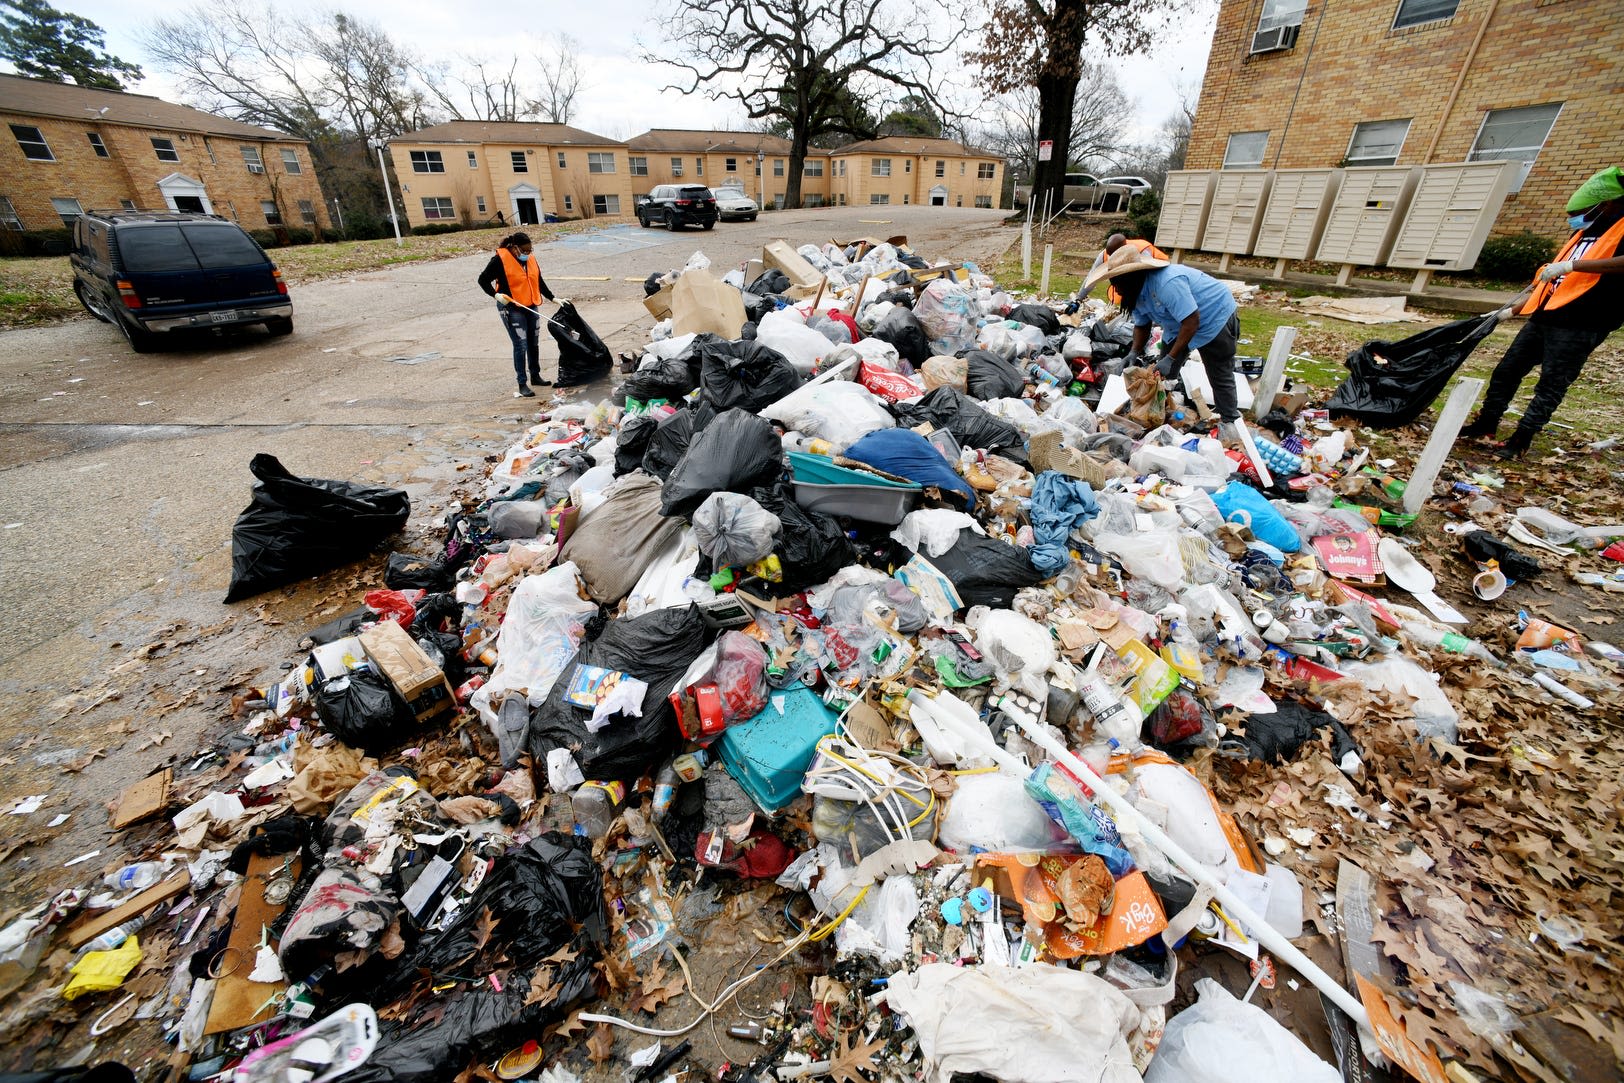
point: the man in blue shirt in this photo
(1195, 309)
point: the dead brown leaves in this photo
(600, 1046)
(657, 987)
(848, 1061)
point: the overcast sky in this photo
(623, 97)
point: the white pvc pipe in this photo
(1118, 806)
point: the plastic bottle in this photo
(115, 936)
(1113, 718)
(595, 805)
(1043, 375)
(137, 877)
(1425, 635)
(665, 791)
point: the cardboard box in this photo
(702, 302)
(420, 682)
(659, 304)
(804, 279)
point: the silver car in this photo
(734, 204)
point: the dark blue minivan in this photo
(147, 272)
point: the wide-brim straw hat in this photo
(1124, 260)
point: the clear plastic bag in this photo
(741, 676)
(839, 412)
(733, 529)
(945, 310)
(1220, 1039)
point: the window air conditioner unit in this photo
(1273, 40)
(255, 167)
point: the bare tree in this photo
(1098, 108)
(478, 89)
(366, 76)
(559, 75)
(803, 62)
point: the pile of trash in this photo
(984, 680)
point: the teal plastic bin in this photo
(769, 754)
(822, 470)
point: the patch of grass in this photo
(35, 291)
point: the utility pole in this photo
(388, 192)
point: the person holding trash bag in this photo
(1198, 306)
(1577, 300)
(513, 277)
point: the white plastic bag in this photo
(1078, 345)
(1153, 555)
(546, 618)
(1012, 643)
(994, 812)
(1220, 1039)
(1433, 714)
(933, 531)
(786, 331)
(838, 411)
(877, 351)
(733, 529)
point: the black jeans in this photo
(1218, 356)
(1558, 352)
(523, 327)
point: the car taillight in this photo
(685, 202)
(281, 286)
(126, 293)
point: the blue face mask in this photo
(524, 257)
(1583, 219)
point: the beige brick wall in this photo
(132, 171)
(1358, 69)
(561, 189)
(912, 177)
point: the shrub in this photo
(1514, 258)
(1145, 211)
(265, 238)
(432, 228)
(36, 242)
(299, 235)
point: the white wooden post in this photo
(1274, 370)
(1433, 456)
(1048, 255)
(1343, 274)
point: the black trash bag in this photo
(991, 377)
(437, 613)
(655, 648)
(1111, 338)
(668, 443)
(1391, 383)
(756, 306)
(338, 628)
(105, 1072)
(811, 547)
(667, 378)
(1278, 736)
(903, 297)
(631, 444)
(949, 408)
(745, 375)
(408, 571)
(652, 284)
(362, 709)
(1040, 316)
(901, 328)
(773, 281)
(734, 453)
(986, 571)
(1483, 547)
(582, 356)
(295, 527)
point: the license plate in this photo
(223, 317)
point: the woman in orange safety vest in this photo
(514, 278)
(1577, 301)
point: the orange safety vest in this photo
(1144, 247)
(523, 279)
(1548, 295)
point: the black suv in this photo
(677, 205)
(152, 271)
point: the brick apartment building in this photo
(69, 149)
(470, 171)
(896, 169)
(1308, 83)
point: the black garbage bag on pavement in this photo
(1040, 316)
(949, 408)
(296, 527)
(669, 442)
(1278, 736)
(656, 648)
(811, 547)
(1392, 383)
(734, 453)
(362, 709)
(408, 571)
(582, 356)
(901, 328)
(986, 571)
(631, 443)
(991, 377)
(744, 375)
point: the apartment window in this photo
(1515, 135)
(251, 159)
(32, 140)
(273, 213)
(1278, 25)
(758, 167)
(1377, 142)
(569, 203)
(68, 210)
(907, 165)
(637, 167)
(842, 169)
(600, 162)
(473, 160)
(778, 201)
(561, 160)
(165, 150)
(879, 167)
(878, 198)
(427, 161)
(479, 204)
(290, 161)
(842, 199)
(1416, 12)
(676, 166)
(904, 199)
(605, 204)
(778, 167)
(984, 201)
(985, 170)
(813, 169)
(307, 212)
(813, 200)
(519, 164)
(941, 168)
(1245, 149)
(731, 165)
(127, 204)
(437, 208)
(8, 214)
(699, 167)
(959, 202)
(96, 144)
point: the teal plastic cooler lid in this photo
(769, 754)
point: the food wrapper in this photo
(99, 971)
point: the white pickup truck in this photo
(1084, 192)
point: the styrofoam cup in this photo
(1489, 585)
